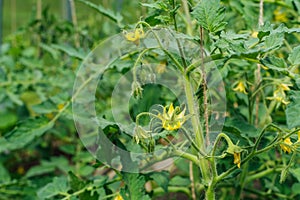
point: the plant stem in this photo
(205, 100)
(189, 29)
(197, 128)
(192, 180)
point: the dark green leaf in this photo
(75, 182)
(4, 175)
(162, 179)
(210, 15)
(295, 173)
(135, 186)
(296, 188)
(24, 133)
(293, 109)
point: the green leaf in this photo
(75, 182)
(274, 63)
(7, 120)
(295, 173)
(162, 179)
(274, 41)
(294, 57)
(4, 174)
(69, 50)
(24, 133)
(104, 11)
(14, 98)
(180, 181)
(57, 186)
(293, 109)
(210, 15)
(296, 188)
(50, 50)
(135, 189)
(241, 127)
(40, 170)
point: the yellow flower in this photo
(279, 15)
(284, 87)
(134, 36)
(286, 145)
(170, 119)
(279, 94)
(119, 197)
(240, 87)
(237, 159)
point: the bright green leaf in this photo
(180, 181)
(274, 63)
(294, 57)
(57, 186)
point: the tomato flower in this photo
(118, 197)
(172, 119)
(286, 145)
(134, 36)
(237, 159)
(279, 94)
(241, 87)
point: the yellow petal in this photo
(171, 110)
(284, 87)
(119, 197)
(285, 146)
(237, 159)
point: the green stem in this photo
(262, 174)
(189, 29)
(197, 128)
(210, 192)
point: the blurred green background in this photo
(18, 13)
